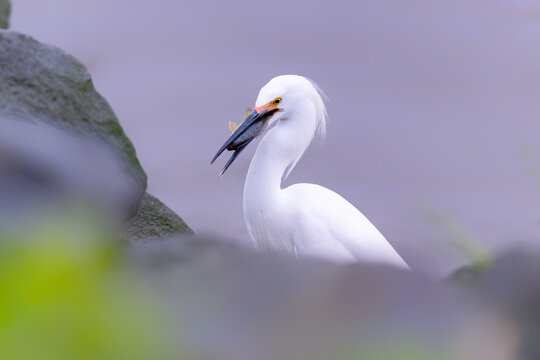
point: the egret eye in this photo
(276, 101)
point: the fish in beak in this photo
(254, 125)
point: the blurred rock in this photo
(512, 286)
(154, 220)
(229, 303)
(41, 163)
(5, 10)
(42, 84)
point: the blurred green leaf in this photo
(461, 238)
(65, 295)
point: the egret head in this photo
(280, 99)
(292, 93)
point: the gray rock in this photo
(43, 84)
(65, 140)
(5, 10)
(154, 220)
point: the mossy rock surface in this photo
(5, 11)
(154, 220)
(42, 83)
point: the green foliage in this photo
(461, 238)
(65, 295)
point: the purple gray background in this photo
(434, 106)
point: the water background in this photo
(434, 106)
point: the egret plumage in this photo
(301, 219)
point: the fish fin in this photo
(248, 111)
(232, 126)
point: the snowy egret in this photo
(302, 219)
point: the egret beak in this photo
(252, 127)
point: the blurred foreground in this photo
(72, 290)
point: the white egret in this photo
(302, 219)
